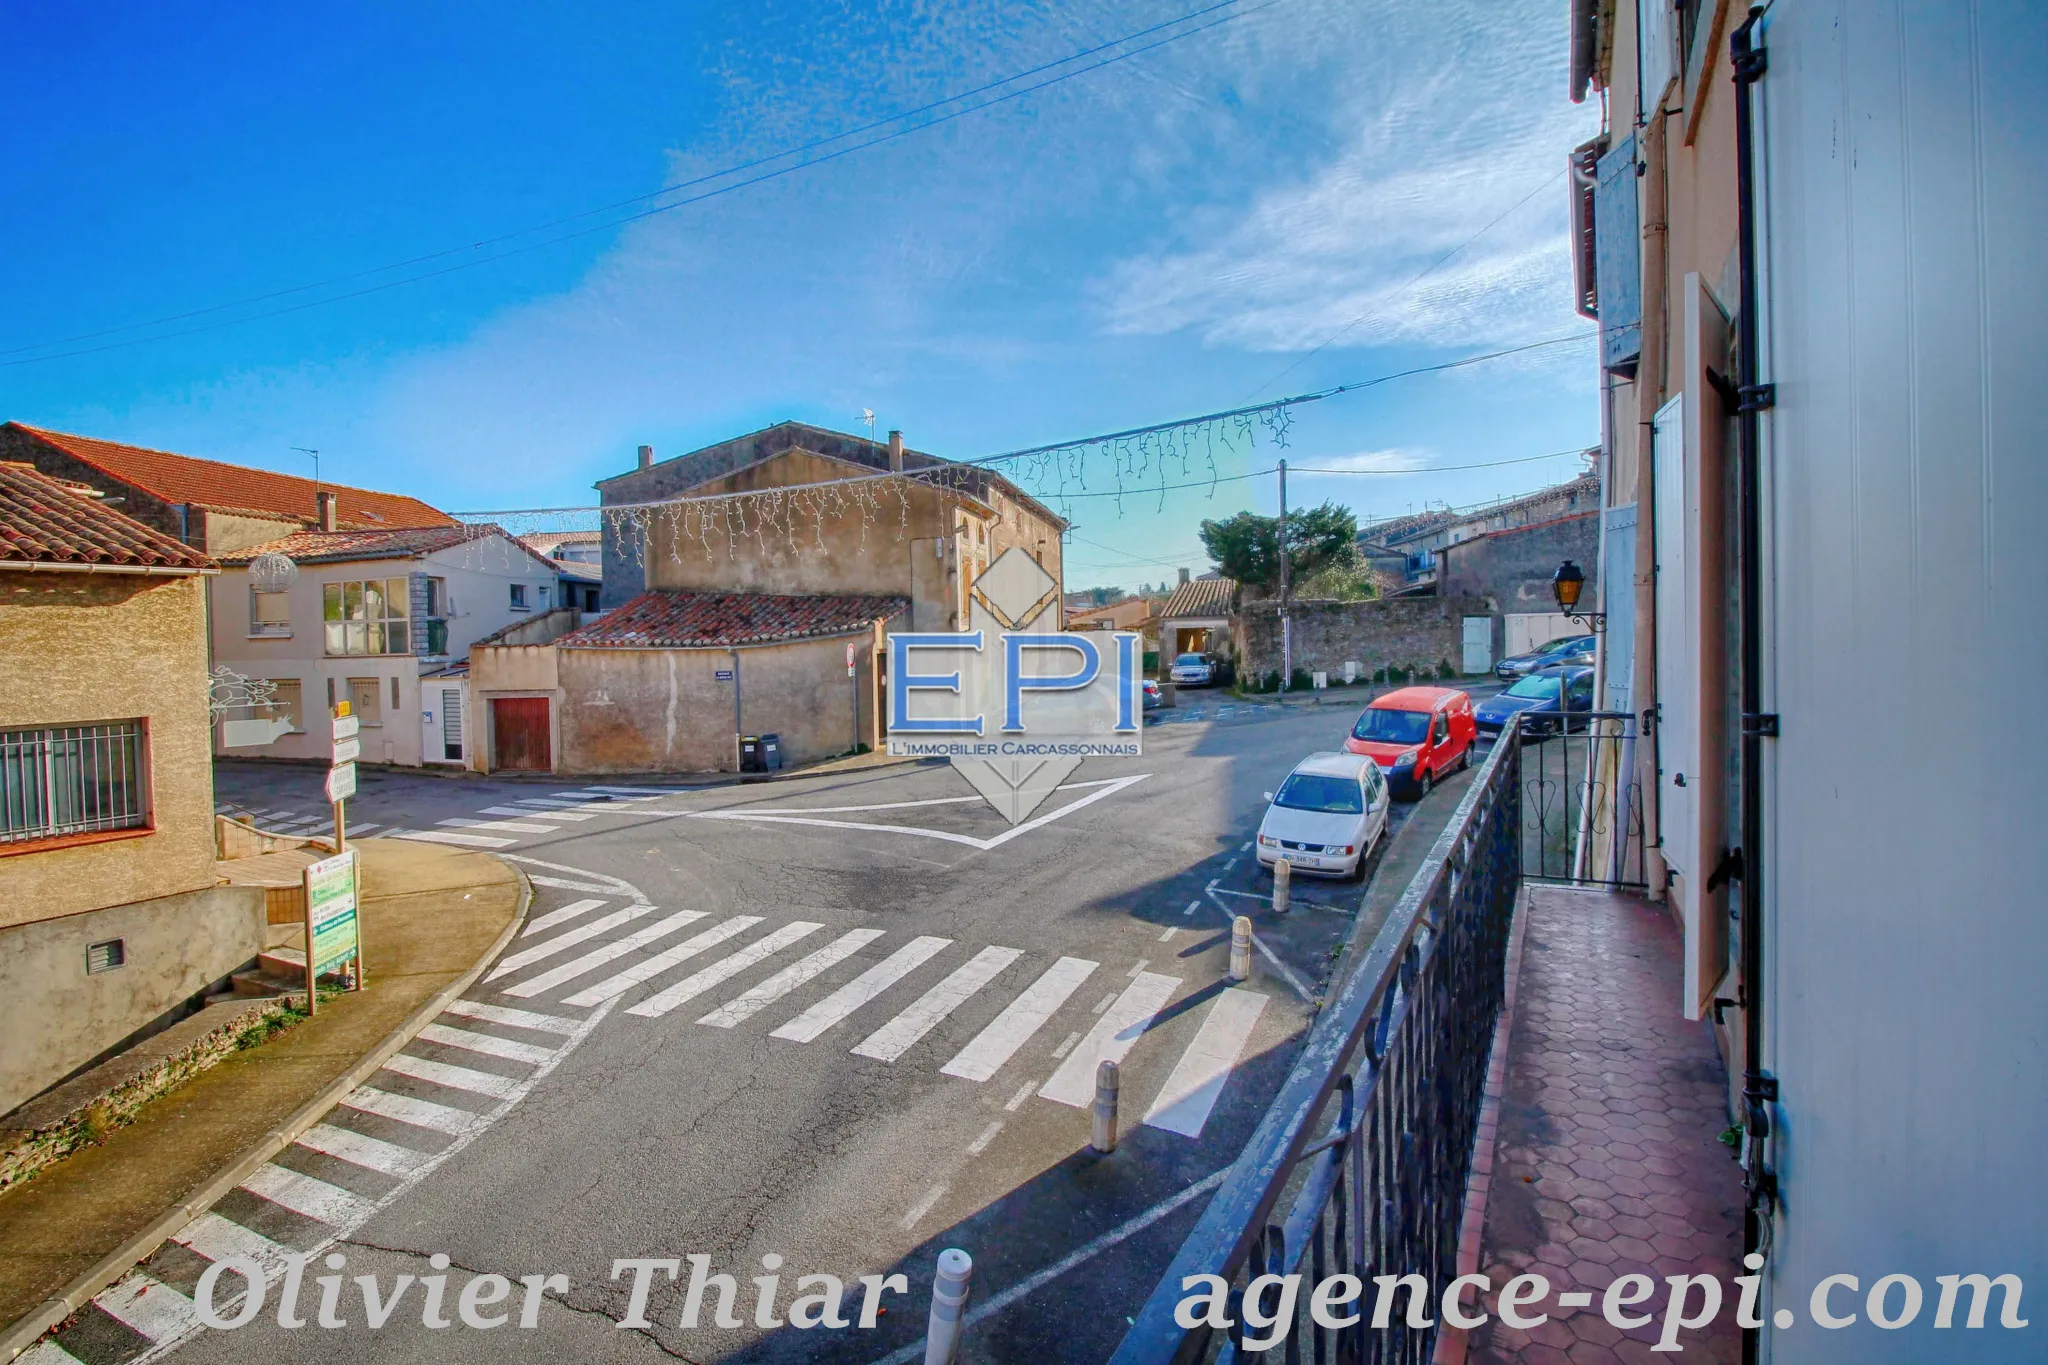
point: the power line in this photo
(658, 209)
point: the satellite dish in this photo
(272, 572)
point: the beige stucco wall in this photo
(58, 1018)
(90, 648)
(664, 710)
(221, 533)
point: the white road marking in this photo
(1287, 973)
(563, 942)
(641, 793)
(597, 957)
(744, 1007)
(485, 1044)
(358, 831)
(576, 810)
(315, 1199)
(923, 1206)
(1246, 895)
(1112, 1038)
(988, 1135)
(377, 1155)
(500, 1014)
(1135, 972)
(837, 1006)
(501, 826)
(695, 984)
(896, 1037)
(564, 884)
(567, 912)
(654, 966)
(1196, 1082)
(997, 1303)
(601, 882)
(419, 1113)
(1166, 934)
(151, 1307)
(523, 812)
(1104, 1003)
(1067, 1045)
(1016, 1101)
(909, 805)
(1244, 848)
(454, 1077)
(449, 836)
(217, 1238)
(1020, 1019)
(1193, 905)
(1112, 786)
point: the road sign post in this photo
(341, 777)
(333, 932)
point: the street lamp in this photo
(1565, 585)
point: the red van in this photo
(1416, 735)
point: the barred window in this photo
(367, 617)
(75, 779)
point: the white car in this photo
(1193, 670)
(1327, 816)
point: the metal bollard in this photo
(1241, 948)
(1102, 1135)
(1283, 884)
(949, 1306)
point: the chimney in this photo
(896, 452)
(328, 518)
(647, 457)
(1183, 575)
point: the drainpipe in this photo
(737, 731)
(1759, 1087)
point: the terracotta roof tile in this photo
(721, 620)
(237, 488)
(49, 521)
(1202, 597)
(318, 547)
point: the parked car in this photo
(1547, 691)
(1193, 670)
(1416, 734)
(1565, 649)
(1327, 816)
(1151, 694)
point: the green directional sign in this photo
(332, 937)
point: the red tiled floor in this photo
(1606, 1159)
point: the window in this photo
(367, 617)
(286, 701)
(270, 613)
(519, 597)
(1442, 733)
(1324, 793)
(77, 779)
(437, 596)
(1392, 727)
(394, 694)
(105, 956)
(366, 700)
(542, 593)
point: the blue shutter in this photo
(1618, 246)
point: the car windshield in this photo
(1392, 727)
(1191, 659)
(1535, 688)
(1321, 792)
(1570, 644)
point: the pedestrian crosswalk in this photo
(412, 1115)
(504, 824)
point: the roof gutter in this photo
(146, 570)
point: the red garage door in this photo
(520, 727)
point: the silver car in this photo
(1193, 670)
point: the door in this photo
(1676, 704)
(520, 727)
(1478, 641)
(1440, 754)
(451, 724)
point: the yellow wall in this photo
(89, 648)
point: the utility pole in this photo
(1286, 634)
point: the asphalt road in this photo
(729, 1030)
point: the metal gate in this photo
(1582, 805)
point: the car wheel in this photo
(1427, 782)
(1465, 758)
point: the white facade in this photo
(472, 589)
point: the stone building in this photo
(1511, 569)
(110, 917)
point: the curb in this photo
(25, 1332)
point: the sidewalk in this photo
(1598, 1152)
(431, 918)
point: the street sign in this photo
(250, 734)
(341, 710)
(849, 658)
(333, 935)
(723, 675)
(347, 750)
(341, 782)
(346, 727)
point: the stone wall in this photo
(1417, 634)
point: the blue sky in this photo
(1170, 235)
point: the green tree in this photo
(1246, 547)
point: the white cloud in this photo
(1453, 124)
(1394, 460)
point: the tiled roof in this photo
(48, 521)
(237, 488)
(1202, 597)
(328, 547)
(721, 620)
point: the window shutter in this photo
(1618, 248)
